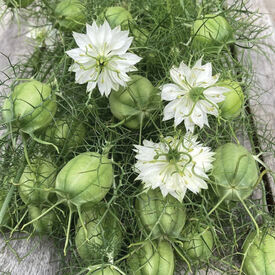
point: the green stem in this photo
(68, 230)
(82, 223)
(218, 204)
(6, 204)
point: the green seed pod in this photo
(101, 270)
(118, 16)
(37, 181)
(199, 242)
(66, 134)
(160, 216)
(259, 253)
(135, 103)
(71, 14)
(45, 224)
(140, 36)
(235, 172)
(210, 31)
(234, 99)
(85, 179)
(30, 107)
(104, 237)
(6, 221)
(18, 3)
(152, 259)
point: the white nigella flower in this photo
(45, 35)
(102, 58)
(174, 165)
(193, 95)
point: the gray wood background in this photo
(14, 45)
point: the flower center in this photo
(196, 93)
(173, 156)
(101, 62)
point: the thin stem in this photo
(82, 223)
(68, 230)
(219, 202)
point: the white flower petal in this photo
(170, 92)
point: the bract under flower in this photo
(174, 165)
(193, 95)
(102, 58)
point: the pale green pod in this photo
(18, 3)
(103, 270)
(36, 182)
(70, 14)
(62, 133)
(160, 216)
(235, 172)
(45, 224)
(212, 30)
(87, 178)
(199, 241)
(104, 235)
(259, 253)
(118, 16)
(234, 99)
(30, 107)
(152, 258)
(135, 103)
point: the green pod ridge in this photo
(36, 182)
(235, 172)
(70, 14)
(160, 216)
(100, 270)
(234, 99)
(135, 103)
(118, 16)
(30, 107)
(62, 133)
(259, 253)
(199, 242)
(104, 235)
(86, 178)
(212, 30)
(152, 258)
(45, 224)
(18, 3)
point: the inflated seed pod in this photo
(62, 133)
(46, 223)
(135, 103)
(70, 14)
(259, 253)
(118, 16)
(235, 172)
(160, 216)
(18, 3)
(199, 241)
(85, 179)
(232, 105)
(104, 236)
(155, 258)
(37, 181)
(30, 107)
(101, 270)
(212, 30)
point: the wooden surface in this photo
(14, 46)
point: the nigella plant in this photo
(193, 95)
(102, 59)
(174, 165)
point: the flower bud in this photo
(30, 107)
(70, 14)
